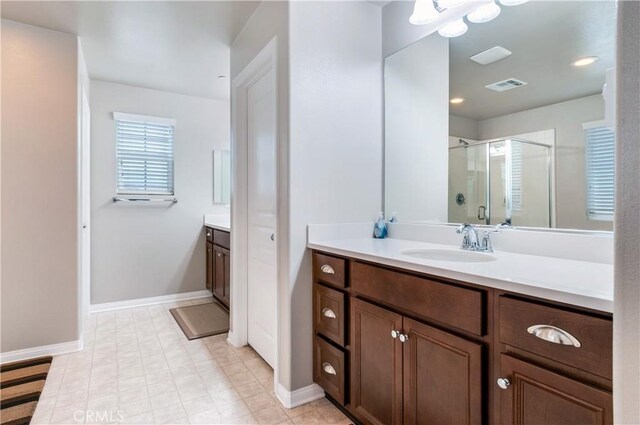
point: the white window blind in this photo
(600, 169)
(516, 176)
(144, 151)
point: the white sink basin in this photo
(458, 256)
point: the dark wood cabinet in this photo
(376, 364)
(532, 395)
(397, 347)
(442, 377)
(210, 267)
(219, 265)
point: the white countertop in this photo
(580, 283)
(218, 221)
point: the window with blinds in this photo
(600, 169)
(144, 153)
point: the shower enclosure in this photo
(498, 181)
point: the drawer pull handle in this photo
(552, 334)
(327, 269)
(328, 368)
(327, 312)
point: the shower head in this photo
(463, 142)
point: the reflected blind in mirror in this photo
(599, 145)
(144, 153)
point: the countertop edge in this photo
(218, 226)
(556, 295)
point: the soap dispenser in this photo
(380, 228)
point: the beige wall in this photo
(39, 187)
(140, 251)
(626, 338)
(567, 119)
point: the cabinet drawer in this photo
(328, 313)
(329, 269)
(221, 238)
(590, 337)
(328, 369)
(463, 308)
(209, 233)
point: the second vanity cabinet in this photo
(396, 347)
(218, 275)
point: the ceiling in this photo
(176, 46)
(545, 37)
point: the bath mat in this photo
(21, 384)
(200, 320)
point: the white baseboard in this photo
(43, 350)
(304, 395)
(140, 302)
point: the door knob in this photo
(503, 383)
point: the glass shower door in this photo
(468, 184)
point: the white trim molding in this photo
(43, 350)
(121, 116)
(141, 302)
(304, 395)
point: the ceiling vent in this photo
(492, 55)
(508, 84)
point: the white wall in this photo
(567, 119)
(336, 138)
(39, 187)
(152, 250)
(626, 337)
(416, 88)
(466, 128)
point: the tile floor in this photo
(138, 368)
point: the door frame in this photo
(263, 62)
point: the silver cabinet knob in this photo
(394, 334)
(328, 368)
(403, 337)
(219, 255)
(208, 234)
(327, 312)
(327, 269)
(503, 383)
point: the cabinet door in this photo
(209, 277)
(219, 272)
(537, 396)
(442, 377)
(226, 285)
(376, 364)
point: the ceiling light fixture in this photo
(457, 100)
(454, 29)
(484, 13)
(423, 12)
(513, 2)
(448, 4)
(584, 61)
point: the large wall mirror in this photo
(508, 122)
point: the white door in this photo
(262, 269)
(85, 204)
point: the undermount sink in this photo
(449, 255)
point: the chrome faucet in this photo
(469, 237)
(470, 241)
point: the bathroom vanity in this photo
(218, 246)
(394, 345)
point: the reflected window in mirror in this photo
(222, 177)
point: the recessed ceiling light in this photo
(457, 100)
(585, 61)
